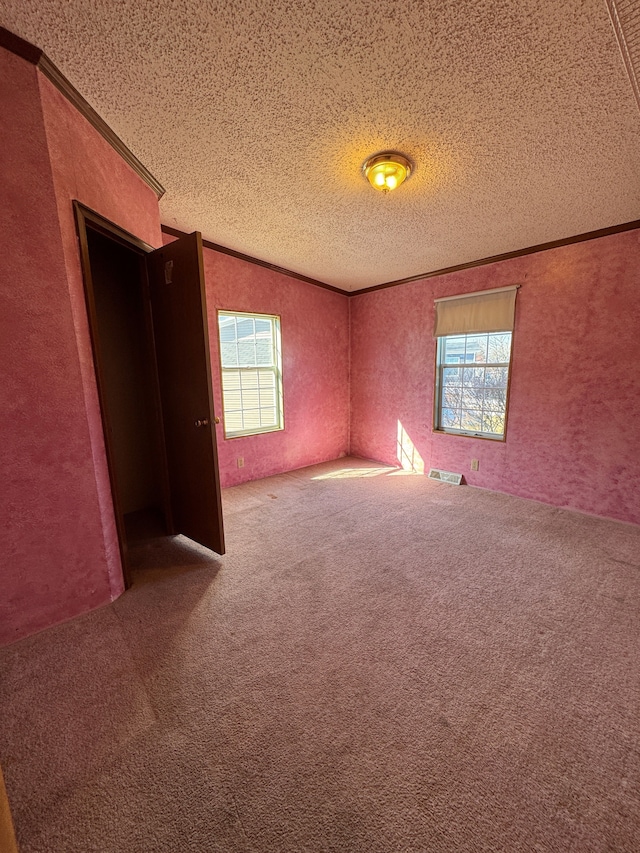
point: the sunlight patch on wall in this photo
(408, 456)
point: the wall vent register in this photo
(445, 476)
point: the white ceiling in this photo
(256, 118)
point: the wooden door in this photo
(176, 283)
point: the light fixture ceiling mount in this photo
(387, 170)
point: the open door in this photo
(176, 283)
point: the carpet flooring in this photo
(380, 664)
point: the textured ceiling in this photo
(256, 117)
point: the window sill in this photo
(499, 438)
(231, 435)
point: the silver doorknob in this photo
(203, 422)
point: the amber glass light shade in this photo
(387, 171)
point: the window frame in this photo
(438, 387)
(276, 367)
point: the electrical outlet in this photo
(475, 464)
(240, 461)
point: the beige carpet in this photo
(380, 664)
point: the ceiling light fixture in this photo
(387, 170)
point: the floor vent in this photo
(445, 476)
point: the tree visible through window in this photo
(251, 363)
(472, 383)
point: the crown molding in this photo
(507, 256)
(35, 56)
(493, 259)
(14, 44)
(175, 232)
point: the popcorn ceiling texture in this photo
(256, 118)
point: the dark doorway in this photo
(128, 377)
(148, 328)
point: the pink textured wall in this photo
(58, 557)
(574, 410)
(315, 367)
(85, 167)
(53, 560)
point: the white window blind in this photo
(251, 363)
(484, 311)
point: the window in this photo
(473, 356)
(472, 382)
(250, 357)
